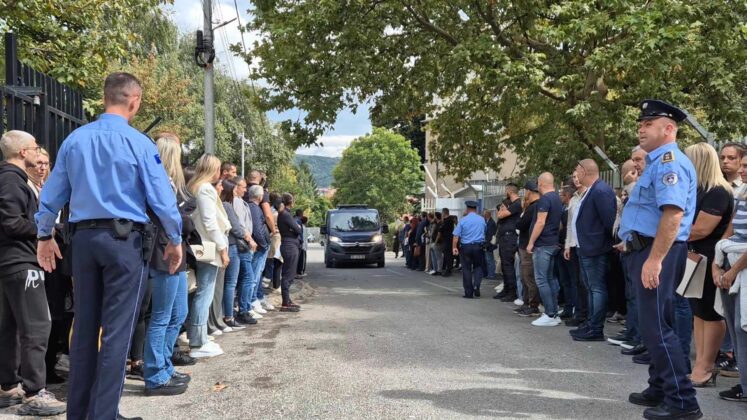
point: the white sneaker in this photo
(227, 330)
(216, 333)
(183, 340)
(208, 349)
(546, 321)
(255, 315)
(519, 302)
(211, 338)
(257, 307)
(269, 306)
(499, 288)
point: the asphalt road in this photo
(395, 344)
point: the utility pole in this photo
(207, 11)
(243, 151)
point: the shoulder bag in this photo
(691, 285)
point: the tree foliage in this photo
(379, 170)
(549, 80)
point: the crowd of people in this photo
(119, 255)
(589, 256)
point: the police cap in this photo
(652, 109)
(471, 204)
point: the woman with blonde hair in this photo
(211, 223)
(713, 209)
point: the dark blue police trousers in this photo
(472, 256)
(108, 284)
(667, 371)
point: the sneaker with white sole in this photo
(208, 349)
(519, 302)
(255, 315)
(183, 340)
(267, 304)
(257, 307)
(12, 396)
(216, 333)
(227, 330)
(546, 321)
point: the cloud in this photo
(333, 146)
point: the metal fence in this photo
(36, 103)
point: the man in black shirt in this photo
(447, 234)
(509, 213)
(524, 224)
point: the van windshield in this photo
(354, 221)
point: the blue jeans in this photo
(683, 326)
(168, 312)
(489, 264)
(203, 298)
(543, 259)
(246, 281)
(594, 276)
(258, 267)
(230, 279)
(517, 268)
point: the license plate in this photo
(357, 257)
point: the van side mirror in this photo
(384, 228)
(323, 230)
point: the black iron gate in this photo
(36, 103)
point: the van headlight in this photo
(335, 239)
(376, 238)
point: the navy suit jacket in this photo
(595, 220)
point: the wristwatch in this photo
(44, 238)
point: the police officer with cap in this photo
(110, 173)
(655, 225)
(471, 232)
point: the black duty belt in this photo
(105, 224)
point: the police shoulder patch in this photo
(670, 178)
(158, 158)
(667, 157)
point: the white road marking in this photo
(394, 272)
(451, 289)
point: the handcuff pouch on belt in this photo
(638, 242)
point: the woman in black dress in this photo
(713, 210)
(289, 249)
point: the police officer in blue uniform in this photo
(655, 225)
(110, 174)
(471, 232)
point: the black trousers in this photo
(301, 262)
(24, 330)
(289, 250)
(471, 256)
(448, 256)
(141, 326)
(507, 247)
(109, 278)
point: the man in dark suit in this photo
(420, 241)
(593, 223)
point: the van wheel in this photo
(380, 264)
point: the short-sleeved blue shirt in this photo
(668, 180)
(471, 229)
(548, 203)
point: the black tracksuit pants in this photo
(289, 250)
(25, 325)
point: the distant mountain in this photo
(321, 168)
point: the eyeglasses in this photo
(42, 164)
(37, 148)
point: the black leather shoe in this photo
(588, 335)
(245, 319)
(644, 399)
(181, 358)
(172, 387)
(639, 349)
(468, 297)
(181, 377)
(642, 359)
(121, 417)
(662, 412)
(574, 322)
(477, 292)
(508, 298)
(288, 308)
(566, 314)
(582, 329)
(500, 295)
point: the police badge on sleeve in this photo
(669, 178)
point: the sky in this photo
(187, 14)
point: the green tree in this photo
(76, 41)
(379, 170)
(549, 80)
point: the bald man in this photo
(543, 245)
(593, 223)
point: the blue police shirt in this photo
(109, 170)
(668, 180)
(471, 229)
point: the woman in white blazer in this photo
(211, 223)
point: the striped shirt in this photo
(740, 221)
